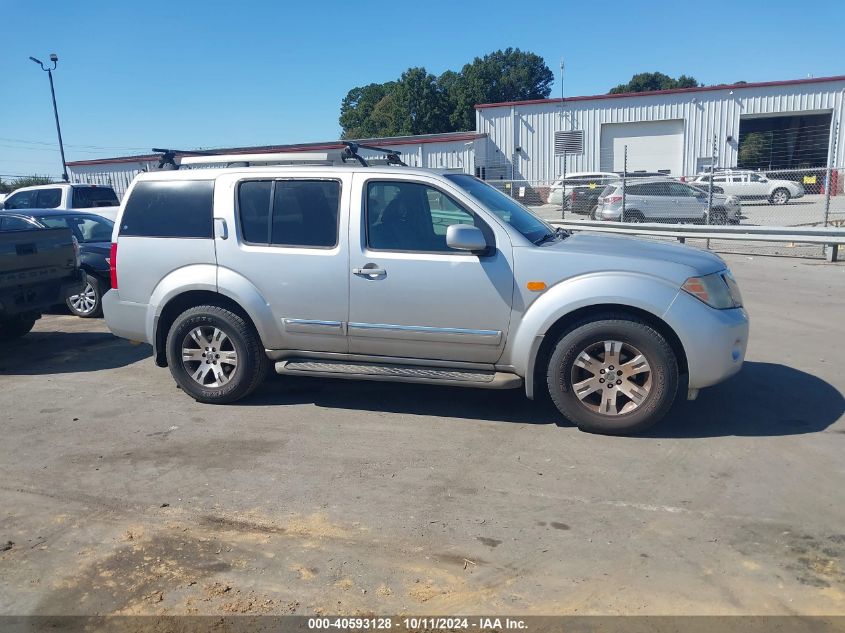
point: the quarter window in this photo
(91, 197)
(169, 208)
(290, 212)
(408, 216)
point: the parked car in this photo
(751, 185)
(62, 195)
(38, 269)
(93, 234)
(416, 276)
(562, 187)
(585, 199)
(662, 200)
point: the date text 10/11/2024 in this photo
(417, 623)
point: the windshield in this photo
(86, 228)
(504, 207)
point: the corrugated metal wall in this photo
(531, 127)
(116, 175)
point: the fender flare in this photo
(615, 289)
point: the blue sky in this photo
(194, 74)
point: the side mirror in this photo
(463, 237)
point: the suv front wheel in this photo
(215, 355)
(614, 375)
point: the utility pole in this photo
(55, 59)
(563, 175)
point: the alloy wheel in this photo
(209, 357)
(85, 302)
(611, 377)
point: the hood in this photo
(593, 252)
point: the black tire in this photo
(633, 216)
(252, 362)
(718, 217)
(634, 334)
(16, 327)
(80, 304)
(779, 196)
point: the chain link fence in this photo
(809, 197)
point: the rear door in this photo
(688, 205)
(422, 299)
(48, 198)
(289, 241)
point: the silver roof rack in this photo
(175, 159)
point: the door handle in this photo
(221, 230)
(370, 270)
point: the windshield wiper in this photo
(548, 237)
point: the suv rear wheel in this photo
(614, 375)
(215, 355)
(633, 216)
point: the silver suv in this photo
(393, 273)
(665, 200)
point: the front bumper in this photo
(714, 340)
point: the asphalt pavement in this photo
(122, 495)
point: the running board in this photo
(399, 373)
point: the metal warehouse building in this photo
(673, 131)
(678, 132)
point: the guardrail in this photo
(831, 237)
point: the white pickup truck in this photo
(98, 199)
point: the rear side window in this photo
(48, 198)
(290, 212)
(170, 208)
(92, 197)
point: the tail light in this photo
(612, 199)
(572, 196)
(113, 265)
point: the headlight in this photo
(718, 290)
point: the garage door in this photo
(652, 146)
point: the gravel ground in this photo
(122, 495)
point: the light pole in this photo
(55, 59)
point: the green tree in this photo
(23, 181)
(508, 75)
(419, 103)
(647, 82)
(357, 108)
